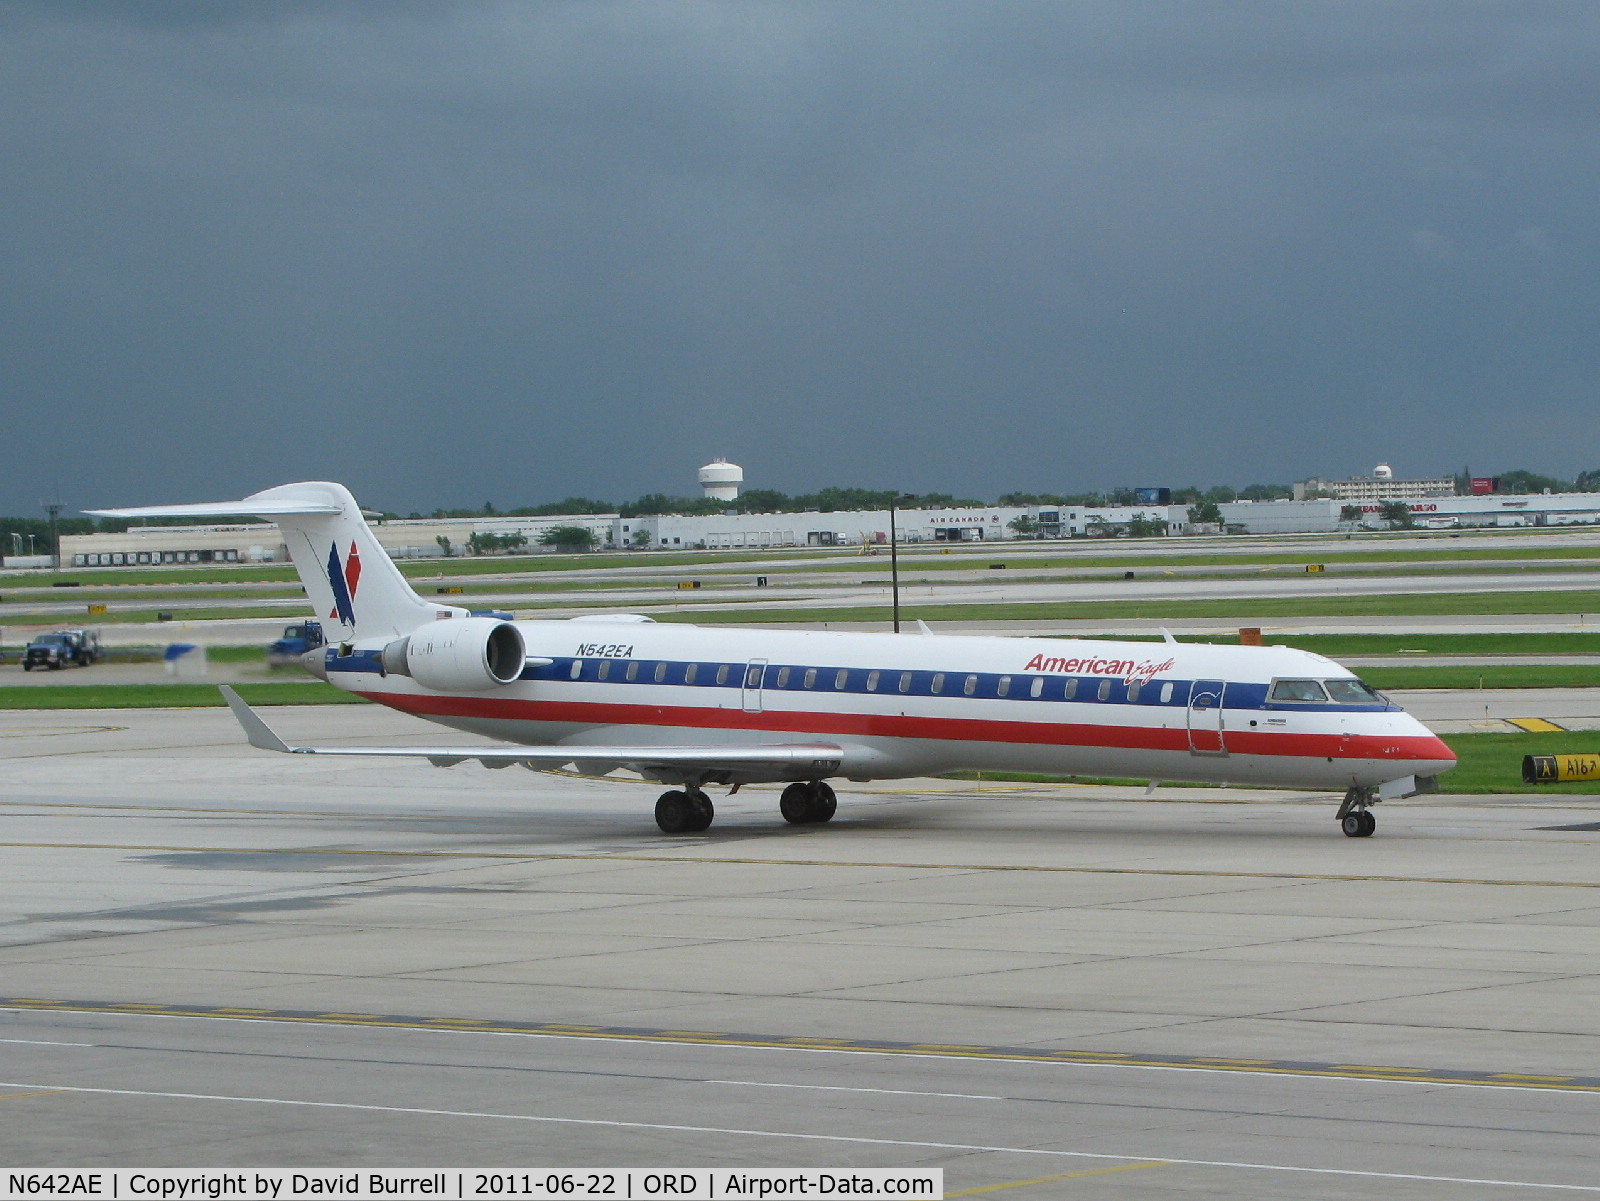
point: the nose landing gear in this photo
(1354, 818)
(808, 802)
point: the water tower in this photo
(720, 480)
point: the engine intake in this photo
(464, 654)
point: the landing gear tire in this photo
(684, 812)
(795, 804)
(803, 804)
(826, 804)
(1359, 824)
(704, 812)
(675, 813)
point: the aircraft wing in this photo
(808, 757)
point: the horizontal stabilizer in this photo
(226, 508)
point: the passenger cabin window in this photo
(1353, 692)
(783, 677)
(1133, 692)
(1068, 690)
(1036, 689)
(810, 679)
(841, 678)
(1298, 692)
(969, 685)
(1105, 690)
(605, 669)
(1003, 688)
(938, 683)
(722, 673)
(690, 672)
(872, 681)
(1166, 692)
(633, 671)
(576, 670)
(752, 676)
(905, 681)
(660, 672)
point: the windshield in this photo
(1298, 690)
(1354, 692)
(50, 640)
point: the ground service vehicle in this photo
(76, 648)
(296, 641)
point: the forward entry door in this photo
(1205, 718)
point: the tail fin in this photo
(355, 588)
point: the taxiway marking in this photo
(713, 860)
(845, 1088)
(775, 1042)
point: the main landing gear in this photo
(684, 812)
(689, 810)
(1354, 818)
(805, 803)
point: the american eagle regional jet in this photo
(688, 707)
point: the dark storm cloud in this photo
(449, 253)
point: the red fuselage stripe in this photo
(883, 725)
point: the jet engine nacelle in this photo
(463, 654)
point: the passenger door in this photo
(1205, 718)
(754, 673)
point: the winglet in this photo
(922, 627)
(256, 730)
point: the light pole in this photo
(894, 557)
(55, 530)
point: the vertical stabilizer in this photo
(356, 590)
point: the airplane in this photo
(688, 706)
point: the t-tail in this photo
(355, 588)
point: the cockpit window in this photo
(1353, 692)
(1299, 691)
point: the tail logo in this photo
(342, 579)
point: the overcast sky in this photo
(455, 252)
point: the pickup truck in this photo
(77, 648)
(296, 641)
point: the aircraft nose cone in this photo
(1431, 754)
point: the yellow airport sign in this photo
(1558, 769)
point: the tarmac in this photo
(212, 956)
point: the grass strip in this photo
(1492, 762)
(1468, 677)
(1336, 645)
(169, 696)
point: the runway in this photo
(214, 957)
